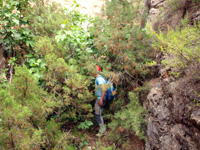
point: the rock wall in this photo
(164, 13)
(174, 116)
(173, 104)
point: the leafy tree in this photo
(65, 56)
(46, 18)
(120, 38)
(16, 36)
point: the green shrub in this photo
(180, 46)
(120, 40)
(130, 118)
(24, 108)
(66, 56)
(46, 18)
(126, 48)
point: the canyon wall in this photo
(173, 121)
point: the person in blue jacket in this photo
(100, 91)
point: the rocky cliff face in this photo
(164, 13)
(173, 104)
(174, 115)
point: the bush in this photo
(120, 39)
(24, 108)
(180, 46)
(130, 119)
(63, 57)
(16, 36)
(62, 61)
(46, 18)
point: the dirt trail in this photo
(97, 143)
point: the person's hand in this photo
(101, 102)
(92, 91)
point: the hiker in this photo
(100, 92)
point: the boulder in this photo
(172, 125)
(195, 116)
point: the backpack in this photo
(110, 94)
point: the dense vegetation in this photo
(53, 58)
(180, 47)
(47, 102)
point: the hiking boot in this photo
(102, 131)
(101, 134)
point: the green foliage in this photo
(83, 142)
(127, 50)
(63, 57)
(131, 118)
(85, 125)
(181, 46)
(13, 23)
(197, 102)
(58, 61)
(3, 80)
(37, 66)
(24, 107)
(122, 42)
(99, 146)
(11, 61)
(73, 37)
(55, 138)
(46, 18)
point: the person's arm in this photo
(101, 83)
(101, 99)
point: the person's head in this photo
(96, 71)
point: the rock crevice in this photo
(173, 118)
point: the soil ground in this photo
(102, 143)
(97, 143)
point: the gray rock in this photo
(169, 143)
(156, 3)
(179, 132)
(153, 133)
(163, 113)
(195, 116)
(153, 14)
